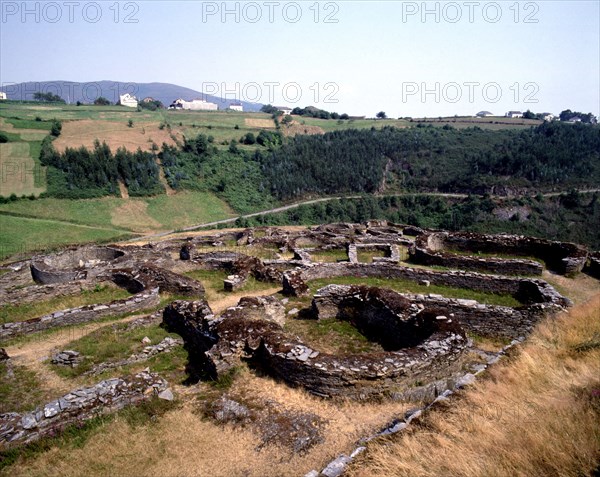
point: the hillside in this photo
(220, 165)
(86, 92)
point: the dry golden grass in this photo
(259, 123)
(116, 134)
(537, 415)
(183, 443)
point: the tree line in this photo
(84, 173)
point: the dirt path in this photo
(34, 353)
(123, 190)
(163, 179)
(218, 306)
(327, 199)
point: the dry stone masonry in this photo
(82, 314)
(428, 346)
(77, 406)
(436, 249)
(421, 337)
(167, 345)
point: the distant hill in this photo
(87, 92)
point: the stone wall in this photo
(484, 320)
(527, 290)
(77, 406)
(148, 277)
(82, 314)
(71, 264)
(38, 293)
(218, 345)
(428, 251)
(561, 257)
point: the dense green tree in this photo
(56, 128)
(48, 97)
(101, 101)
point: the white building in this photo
(194, 105)
(484, 114)
(514, 114)
(3, 95)
(575, 119)
(548, 117)
(128, 100)
(236, 107)
(285, 110)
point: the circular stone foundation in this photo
(72, 264)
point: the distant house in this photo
(514, 114)
(547, 117)
(194, 105)
(236, 107)
(128, 100)
(285, 110)
(148, 99)
(484, 114)
(2, 95)
(575, 119)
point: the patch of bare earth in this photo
(123, 190)
(259, 123)
(84, 132)
(295, 128)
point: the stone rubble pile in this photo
(68, 358)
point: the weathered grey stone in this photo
(51, 409)
(28, 421)
(336, 467)
(167, 395)
(466, 380)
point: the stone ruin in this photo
(435, 248)
(77, 406)
(422, 336)
(423, 345)
(72, 264)
(90, 267)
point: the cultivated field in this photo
(116, 134)
(20, 170)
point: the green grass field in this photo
(24, 235)
(44, 223)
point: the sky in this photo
(418, 59)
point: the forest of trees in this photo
(83, 173)
(419, 159)
(434, 159)
(567, 217)
(48, 97)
